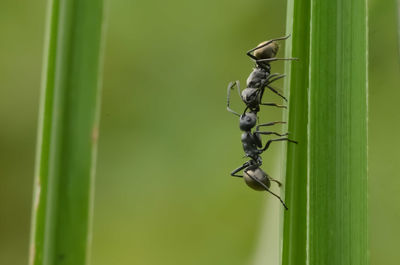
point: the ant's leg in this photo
(244, 112)
(230, 86)
(276, 140)
(265, 44)
(269, 124)
(274, 180)
(276, 92)
(270, 80)
(276, 59)
(277, 181)
(263, 89)
(273, 75)
(269, 133)
(274, 104)
(267, 189)
(233, 173)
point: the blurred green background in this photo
(167, 145)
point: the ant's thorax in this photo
(264, 66)
(257, 76)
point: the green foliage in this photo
(67, 134)
(327, 172)
(295, 221)
(398, 27)
(167, 73)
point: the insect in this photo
(260, 77)
(254, 176)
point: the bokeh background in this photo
(167, 145)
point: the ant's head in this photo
(247, 121)
(268, 51)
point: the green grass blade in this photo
(398, 27)
(68, 129)
(338, 133)
(295, 226)
(326, 185)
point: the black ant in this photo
(260, 77)
(254, 176)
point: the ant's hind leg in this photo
(233, 173)
(276, 59)
(274, 105)
(276, 181)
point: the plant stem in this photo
(326, 185)
(295, 221)
(398, 27)
(68, 130)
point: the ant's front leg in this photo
(274, 104)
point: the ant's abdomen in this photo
(250, 175)
(268, 51)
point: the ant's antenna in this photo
(230, 87)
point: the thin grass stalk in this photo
(295, 220)
(398, 28)
(67, 137)
(334, 215)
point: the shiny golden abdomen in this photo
(258, 174)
